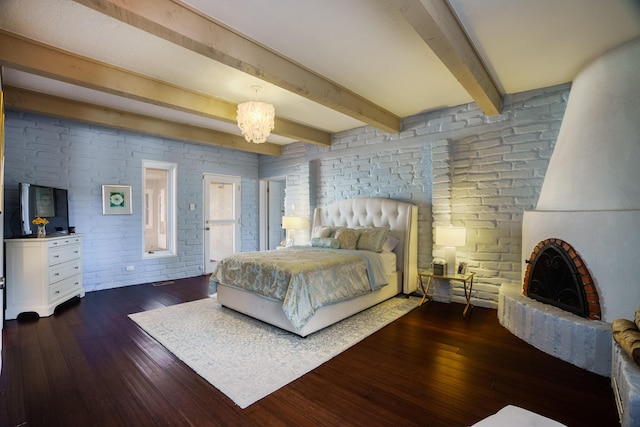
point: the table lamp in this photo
(450, 237)
(292, 223)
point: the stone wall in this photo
(459, 166)
(81, 157)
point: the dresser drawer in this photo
(64, 288)
(64, 253)
(62, 271)
(71, 240)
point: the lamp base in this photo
(290, 238)
(450, 258)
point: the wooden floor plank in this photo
(431, 367)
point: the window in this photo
(159, 208)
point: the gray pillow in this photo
(347, 238)
(372, 239)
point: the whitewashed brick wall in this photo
(459, 166)
(80, 157)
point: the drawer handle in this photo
(57, 292)
(75, 252)
(56, 256)
(56, 274)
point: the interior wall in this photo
(81, 158)
(459, 166)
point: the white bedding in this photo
(400, 218)
(304, 278)
(388, 262)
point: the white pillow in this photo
(322, 232)
(390, 244)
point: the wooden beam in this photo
(28, 55)
(25, 100)
(439, 27)
(178, 24)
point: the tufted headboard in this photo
(401, 218)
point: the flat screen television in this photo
(44, 202)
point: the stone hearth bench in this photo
(582, 342)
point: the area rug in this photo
(247, 359)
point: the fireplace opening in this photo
(556, 275)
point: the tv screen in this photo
(44, 202)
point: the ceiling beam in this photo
(437, 24)
(34, 57)
(25, 100)
(178, 24)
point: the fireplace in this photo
(557, 275)
(589, 197)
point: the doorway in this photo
(221, 218)
(272, 195)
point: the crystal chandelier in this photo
(256, 119)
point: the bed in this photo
(399, 218)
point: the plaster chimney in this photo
(590, 197)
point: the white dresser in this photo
(42, 273)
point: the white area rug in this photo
(247, 359)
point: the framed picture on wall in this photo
(116, 200)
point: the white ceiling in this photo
(365, 46)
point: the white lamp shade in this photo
(291, 223)
(294, 222)
(451, 236)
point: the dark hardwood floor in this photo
(89, 365)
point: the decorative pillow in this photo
(347, 238)
(627, 335)
(390, 244)
(325, 242)
(372, 239)
(620, 325)
(322, 232)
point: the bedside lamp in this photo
(292, 223)
(450, 237)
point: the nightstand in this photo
(428, 275)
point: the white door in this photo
(272, 194)
(276, 212)
(221, 218)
